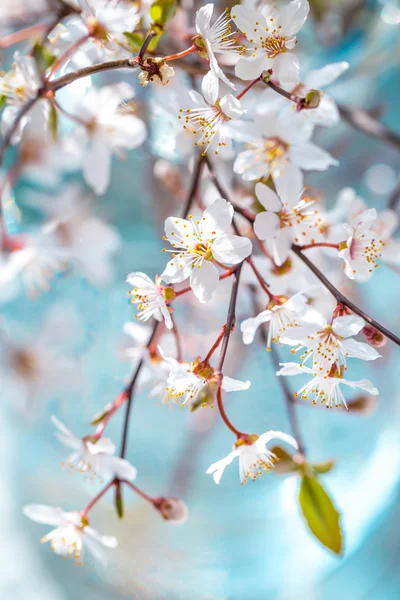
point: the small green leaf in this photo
(161, 11)
(3, 100)
(119, 505)
(43, 57)
(324, 467)
(53, 122)
(321, 515)
(135, 40)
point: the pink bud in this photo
(172, 509)
(374, 337)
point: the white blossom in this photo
(209, 117)
(271, 35)
(288, 217)
(150, 298)
(93, 456)
(71, 533)
(254, 457)
(282, 314)
(215, 39)
(362, 247)
(196, 244)
(277, 141)
(323, 388)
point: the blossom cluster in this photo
(248, 117)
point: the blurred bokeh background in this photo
(240, 542)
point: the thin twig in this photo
(363, 121)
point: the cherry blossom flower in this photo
(209, 118)
(187, 381)
(18, 86)
(150, 298)
(95, 457)
(254, 457)
(362, 248)
(330, 343)
(287, 217)
(282, 314)
(215, 39)
(275, 142)
(271, 35)
(323, 388)
(72, 532)
(196, 244)
(110, 129)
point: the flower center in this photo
(203, 249)
(274, 45)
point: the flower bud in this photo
(172, 509)
(374, 337)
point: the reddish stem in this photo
(22, 35)
(260, 279)
(181, 292)
(69, 115)
(138, 491)
(170, 57)
(121, 398)
(225, 416)
(320, 245)
(215, 345)
(95, 500)
(247, 88)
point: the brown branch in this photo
(363, 121)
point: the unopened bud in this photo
(172, 509)
(100, 416)
(374, 337)
(267, 76)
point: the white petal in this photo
(210, 88)
(286, 69)
(234, 385)
(281, 246)
(249, 328)
(204, 281)
(363, 384)
(245, 19)
(291, 368)
(293, 16)
(290, 185)
(348, 325)
(231, 106)
(203, 18)
(356, 349)
(103, 446)
(177, 270)
(44, 514)
(123, 469)
(278, 435)
(66, 436)
(308, 156)
(177, 229)
(320, 78)
(268, 198)
(217, 468)
(141, 281)
(216, 219)
(250, 68)
(266, 225)
(97, 165)
(231, 249)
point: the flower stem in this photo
(342, 299)
(320, 245)
(259, 277)
(179, 55)
(225, 416)
(121, 398)
(194, 185)
(247, 88)
(215, 345)
(138, 491)
(145, 45)
(98, 497)
(22, 34)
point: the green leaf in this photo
(119, 505)
(324, 467)
(3, 100)
(321, 515)
(161, 11)
(135, 40)
(43, 57)
(53, 122)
